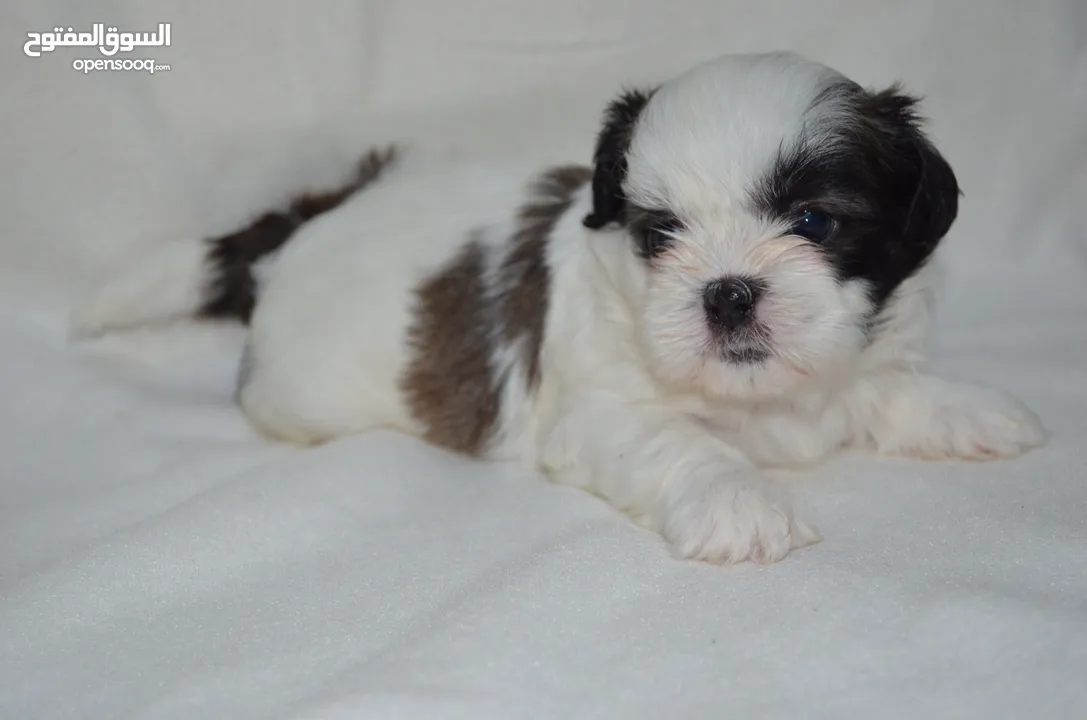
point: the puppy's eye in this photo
(814, 225)
(661, 234)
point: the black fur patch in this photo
(893, 195)
(232, 289)
(610, 157)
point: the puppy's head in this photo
(775, 206)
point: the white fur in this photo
(164, 284)
(630, 405)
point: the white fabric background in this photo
(157, 560)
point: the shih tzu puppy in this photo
(739, 281)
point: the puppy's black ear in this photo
(924, 186)
(610, 157)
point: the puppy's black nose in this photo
(729, 302)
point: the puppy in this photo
(740, 280)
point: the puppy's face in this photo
(775, 207)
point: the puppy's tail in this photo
(214, 279)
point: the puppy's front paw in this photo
(965, 422)
(730, 518)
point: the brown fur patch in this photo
(369, 168)
(232, 289)
(526, 279)
(449, 384)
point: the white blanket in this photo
(159, 560)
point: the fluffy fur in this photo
(740, 280)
